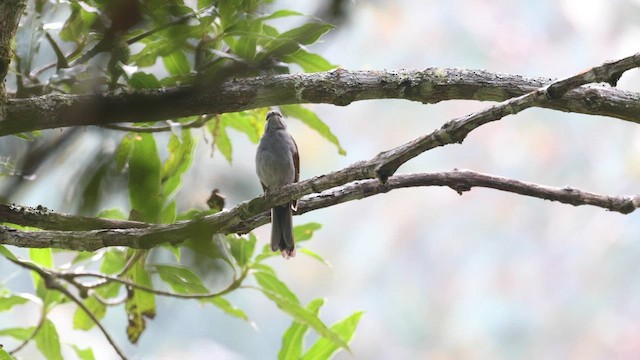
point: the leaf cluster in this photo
(133, 46)
(133, 280)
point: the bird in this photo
(278, 164)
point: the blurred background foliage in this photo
(486, 275)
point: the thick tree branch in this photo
(339, 87)
(44, 218)
(247, 215)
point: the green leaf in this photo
(116, 214)
(5, 355)
(114, 260)
(304, 316)
(202, 4)
(29, 136)
(290, 41)
(142, 80)
(220, 138)
(323, 348)
(7, 301)
(227, 307)
(179, 160)
(223, 249)
(242, 248)
(227, 10)
(193, 214)
(246, 122)
(21, 334)
(313, 121)
(48, 341)
(204, 247)
(176, 250)
(177, 63)
(265, 254)
(83, 256)
(309, 62)
(144, 179)
(263, 267)
(316, 256)
(141, 304)
(270, 282)
(293, 338)
(84, 354)
(82, 321)
(77, 26)
(281, 14)
(168, 214)
(223, 143)
(161, 46)
(123, 152)
(304, 232)
(43, 257)
(244, 45)
(6, 253)
(308, 33)
(181, 279)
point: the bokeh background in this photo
(485, 275)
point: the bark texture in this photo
(339, 87)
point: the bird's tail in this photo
(282, 230)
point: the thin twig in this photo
(154, 129)
(134, 285)
(131, 262)
(43, 316)
(50, 278)
(602, 73)
(111, 302)
(84, 308)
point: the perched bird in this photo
(278, 164)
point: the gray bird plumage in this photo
(278, 164)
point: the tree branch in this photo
(44, 218)
(51, 280)
(339, 87)
(458, 180)
(381, 167)
(72, 276)
(248, 217)
(456, 130)
(25, 342)
(93, 318)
